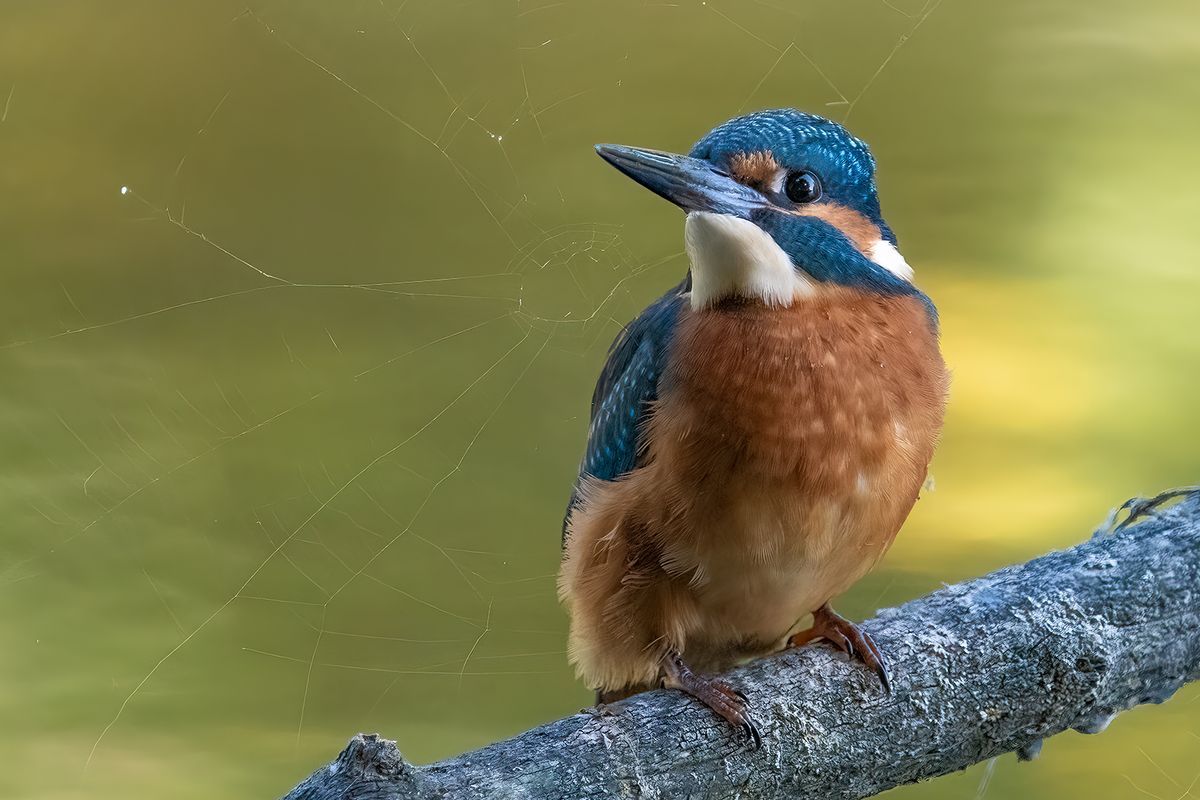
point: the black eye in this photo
(802, 186)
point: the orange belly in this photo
(786, 450)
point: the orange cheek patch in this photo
(757, 169)
(856, 227)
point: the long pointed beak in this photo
(690, 183)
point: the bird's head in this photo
(780, 204)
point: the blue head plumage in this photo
(776, 186)
(802, 142)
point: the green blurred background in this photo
(288, 427)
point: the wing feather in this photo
(627, 386)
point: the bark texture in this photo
(981, 668)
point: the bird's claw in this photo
(750, 731)
(730, 704)
(847, 637)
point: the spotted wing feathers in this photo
(627, 386)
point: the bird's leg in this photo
(722, 698)
(847, 637)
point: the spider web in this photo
(310, 448)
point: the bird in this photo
(761, 431)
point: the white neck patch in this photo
(733, 257)
(886, 255)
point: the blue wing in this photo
(627, 386)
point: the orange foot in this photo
(722, 698)
(847, 637)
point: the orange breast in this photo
(790, 444)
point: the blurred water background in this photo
(289, 422)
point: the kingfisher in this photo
(760, 432)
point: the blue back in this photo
(627, 386)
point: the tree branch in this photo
(980, 668)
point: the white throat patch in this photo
(733, 257)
